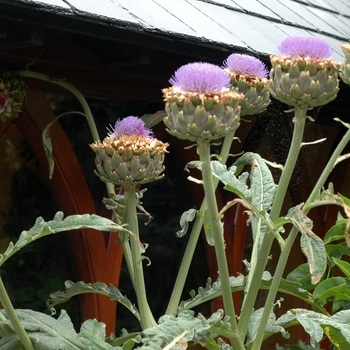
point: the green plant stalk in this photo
(16, 323)
(193, 239)
(250, 298)
(219, 244)
(147, 319)
(79, 96)
(294, 231)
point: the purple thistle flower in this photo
(309, 46)
(200, 77)
(246, 65)
(130, 126)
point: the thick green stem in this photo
(299, 125)
(294, 231)
(193, 239)
(11, 314)
(219, 244)
(264, 252)
(147, 319)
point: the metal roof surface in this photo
(255, 26)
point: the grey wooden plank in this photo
(328, 23)
(202, 23)
(323, 3)
(103, 8)
(254, 6)
(247, 27)
(294, 13)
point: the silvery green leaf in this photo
(42, 228)
(73, 289)
(186, 217)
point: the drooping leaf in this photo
(42, 228)
(311, 245)
(187, 217)
(336, 327)
(73, 289)
(126, 340)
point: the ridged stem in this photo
(264, 251)
(147, 319)
(11, 314)
(294, 231)
(193, 239)
(299, 125)
(219, 244)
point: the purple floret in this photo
(200, 77)
(308, 46)
(246, 65)
(130, 126)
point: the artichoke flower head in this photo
(129, 154)
(303, 74)
(12, 95)
(200, 105)
(249, 77)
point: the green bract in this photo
(256, 96)
(345, 69)
(129, 159)
(303, 82)
(201, 117)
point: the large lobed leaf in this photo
(176, 333)
(73, 289)
(48, 333)
(42, 228)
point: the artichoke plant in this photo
(12, 95)
(303, 75)
(345, 69)
(129, 154)
(200, 105)
(249, 77)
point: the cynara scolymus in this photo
(12, 95)
(345, 69)
(303, 74)
(249, 77)
(200, 104)
(129, 154)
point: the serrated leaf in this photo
(176, 332)
(311, 245)
(336, 327)
(42, 228)
(272, 326)
(211, 291)
(73, 289)
(45, 332)
(262, 186)
(187, 217)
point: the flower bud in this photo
(200, 105)
(129, 154)
(303, 75)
